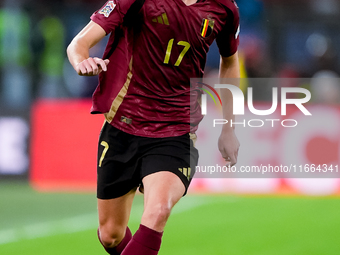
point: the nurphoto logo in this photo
(239, 105)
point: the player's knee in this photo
(157, 214)
(111, 237)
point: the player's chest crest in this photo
(207, 27)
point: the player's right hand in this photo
(92, 66)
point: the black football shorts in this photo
(124, 160)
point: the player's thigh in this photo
(162, 190)
(114, 213)
(164, 186)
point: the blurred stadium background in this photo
(48, 138)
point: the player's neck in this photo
(190, 2)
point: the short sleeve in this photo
(112, 14)
(228, 39)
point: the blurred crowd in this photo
(279, 38)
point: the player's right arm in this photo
(78, 51)
(103, 22)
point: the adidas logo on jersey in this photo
(162, 19)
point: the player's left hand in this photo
(228, 145)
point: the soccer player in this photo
(154, 48)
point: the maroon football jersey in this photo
(154, 53)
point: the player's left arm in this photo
(228, 143)
(228, 41)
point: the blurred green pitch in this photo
(34, 223)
